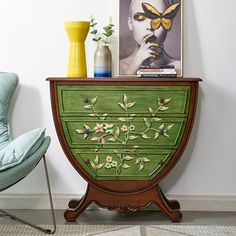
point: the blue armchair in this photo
(20, 156)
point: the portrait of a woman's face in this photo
(139, 23)
(150, 35)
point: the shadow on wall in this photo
(25, 111)
(64, 178)
(192, 53)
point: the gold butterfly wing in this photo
(150, 11)
(156, 23)
(171, 11)
(167, 23)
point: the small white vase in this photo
(102, 62)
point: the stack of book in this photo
(164, 72)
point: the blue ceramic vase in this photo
(102, 62)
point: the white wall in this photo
(33, 43)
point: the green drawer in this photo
(166, 132)
(73, 100)
(107, 165)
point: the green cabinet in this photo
(123, 132)
(123, 136)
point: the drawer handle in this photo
(85, 100)
(162, 100)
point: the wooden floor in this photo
(147, 217)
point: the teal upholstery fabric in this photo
(21, 148)
(8, 83)
(13, 153)
(11, 176)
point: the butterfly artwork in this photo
(150, 36)
(160, 19)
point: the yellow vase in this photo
(77, 32)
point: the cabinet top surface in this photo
(122, 79)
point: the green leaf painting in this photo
(123, 133)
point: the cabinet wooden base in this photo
(124, 203)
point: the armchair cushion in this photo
(10, 176)
(21, 148)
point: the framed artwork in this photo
(150, 35)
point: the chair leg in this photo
(47, 231)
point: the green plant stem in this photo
(106, 41)
(95, 35)
(97, 115)
(105, 135)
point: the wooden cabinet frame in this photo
(124, 196)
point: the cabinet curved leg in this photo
(173, 215)
(78, 207)
(173, 204)
(73, 203)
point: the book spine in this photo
(156, 70)
(161, 67)
(157, 75)
(153, 73)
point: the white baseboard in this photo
(188, 203)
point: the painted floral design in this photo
(104, 132)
